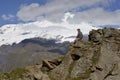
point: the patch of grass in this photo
(60, 59)
(81, 76)
(96, 56)
(71, 49)
(69, 71)
(13, 75)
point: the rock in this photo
(104, 34)
(95, 59)
(48, 64)
(96, 36)
(38, 75)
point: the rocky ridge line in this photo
(95, 59)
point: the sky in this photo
(96, 12)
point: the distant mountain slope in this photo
(29, 52)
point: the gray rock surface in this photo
(99, 58)
(95, 59)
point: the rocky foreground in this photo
(95, 59)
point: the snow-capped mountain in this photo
(15, 33)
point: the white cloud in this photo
(31, 12)
(98, 16)
(55, 10)
(7, 17)
(66, 16)
(28, 13)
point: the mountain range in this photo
(27, 44)
(30, 52)
(97, 58)
(64, 31)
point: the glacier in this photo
(15, 33)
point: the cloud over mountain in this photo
(64, 31)
(8, 17)
(90, 11)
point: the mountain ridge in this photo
(15, 33)
(29, 52)
(95, 59)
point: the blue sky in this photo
(97, 12)
(10, 7)
(115, 5)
